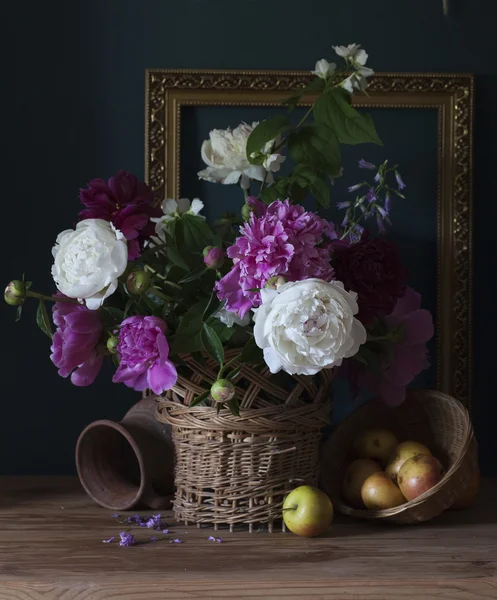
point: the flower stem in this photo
(31, 294)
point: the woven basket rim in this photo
(470, 440)
(275, 417)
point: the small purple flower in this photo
(214, 539)
(379, 223)
(153, 538)
(343, 205)
(154, 522)
(111, 539)
(127, 539)
(377, 177)
(114, 516)
(371, 195)
(345, 221)
(400, 183)
(355, 187)
(364, 164)
(144, 355)
(387, 202)
(176, 541)
(165, 531)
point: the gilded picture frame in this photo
(451, 95)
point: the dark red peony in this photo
(372, 268)
(127, 203)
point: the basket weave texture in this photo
(234, 470)
(435, 419)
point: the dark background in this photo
(73, 88)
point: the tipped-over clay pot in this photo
(130, 463)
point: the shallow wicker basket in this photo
(237, 470)
(439, 421)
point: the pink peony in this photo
(127, 203)
(279, 239)
(143, 355)
(74, 346)
(410, 355)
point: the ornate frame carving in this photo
(452, 95)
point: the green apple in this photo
(307, 511)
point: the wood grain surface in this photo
(51, 548)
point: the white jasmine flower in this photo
(324, 69)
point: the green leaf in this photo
(18, 313)
(351, 127)
(211, 307)
(233, 374)
(199, 357)
(251, 353)
(318, 146)
(270, 194)
(129, 304)
(42, 319)
(234, 407)
(321, 192)
(316, 85)
(111, 315)
(200, 398)
(211, 343)
(263, 133)
(196, 274)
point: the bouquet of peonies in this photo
(143, 282)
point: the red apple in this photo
(355, 475)
(379, 492)
(419, 474)
(307, 511)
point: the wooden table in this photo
(51, 548)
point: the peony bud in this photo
(112, 344)
(15, 292)
(138, 282)
(275, 282)
(222, 391)
(246, 212)
(213, 257)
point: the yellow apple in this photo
(419, 474)
(355, 475)
(376, 443)
(404, 451)
(379, 492)
(307, 511)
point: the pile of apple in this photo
(387, 473)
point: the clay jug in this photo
(130, 463)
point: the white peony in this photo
(89, 260)
(225, 154)
(324, 69)
(306, 326)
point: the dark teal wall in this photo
(73, 83)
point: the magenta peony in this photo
(279, 239)
(143, 354)
(75, 343)
(127, 203)
(410, 354)
(372, 268)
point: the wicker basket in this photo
(237, 470)
(432, 418)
